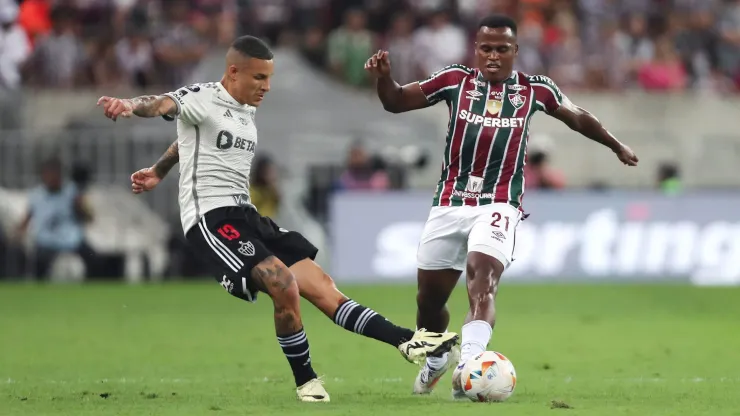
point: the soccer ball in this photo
(488, 377)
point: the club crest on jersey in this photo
(494, 106)
(517, 100)
(473, 95)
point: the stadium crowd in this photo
(589, 44)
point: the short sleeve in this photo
(440, 85)
(190, 104)
(547, 94)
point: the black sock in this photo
(354, 317)
(295, 348)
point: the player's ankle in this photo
(435, 363)
(475, 338)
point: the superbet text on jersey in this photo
(487, 133)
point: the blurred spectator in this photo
(730, 34)
(178, 48)
(349, 47)
(529, 59)
(538, 174)
(361, 172)
(35, 18)
(636, 45)
(59, 56)
(135, 55)
(14, 51)
(668, 179)
(566, 58)
(313, 46)
(665, 71)
(268, 18)
(400, 46)
(263, 188)
(440, 43)
(55, 218)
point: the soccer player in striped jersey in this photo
(478, 201)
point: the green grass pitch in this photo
(190, 349)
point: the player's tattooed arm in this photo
(169, 159)
(153, 106)
(582, 121)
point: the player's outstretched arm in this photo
(587, 124)
(395, 98)
(144, 106)
(147, 179)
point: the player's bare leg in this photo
(434, 288)
(275, 279)
(483, 276)
(318, 288)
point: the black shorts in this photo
(232, 240)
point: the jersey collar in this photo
(511, 80)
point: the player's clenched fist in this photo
(116, 107)
(379, 65)
(144, 180)
(626, 155)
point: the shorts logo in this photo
(283, 230)
(246, 249)
(227, 284)
(498, 235)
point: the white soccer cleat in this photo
(313, 391)
(428, 377)
(427, 344)
(457, 388)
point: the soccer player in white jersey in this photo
(216, 142)
(478, 202)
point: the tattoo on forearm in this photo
(147, 105)
(167, 161)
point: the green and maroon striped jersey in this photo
(487, 134)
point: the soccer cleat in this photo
(313, 391)
(457, 389)
(427, 344)
(428, 377)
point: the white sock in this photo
(475, 337)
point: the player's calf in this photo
(483, 274)
(273, 277)
(319, 289)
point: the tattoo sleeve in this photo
(153, 106)
(167, 161)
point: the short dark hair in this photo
(498, 20)
(252, 47)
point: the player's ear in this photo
(516, 49)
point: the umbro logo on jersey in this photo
(227, 114)
(473, 95)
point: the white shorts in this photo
(450, 233)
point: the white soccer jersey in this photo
(217, 139)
